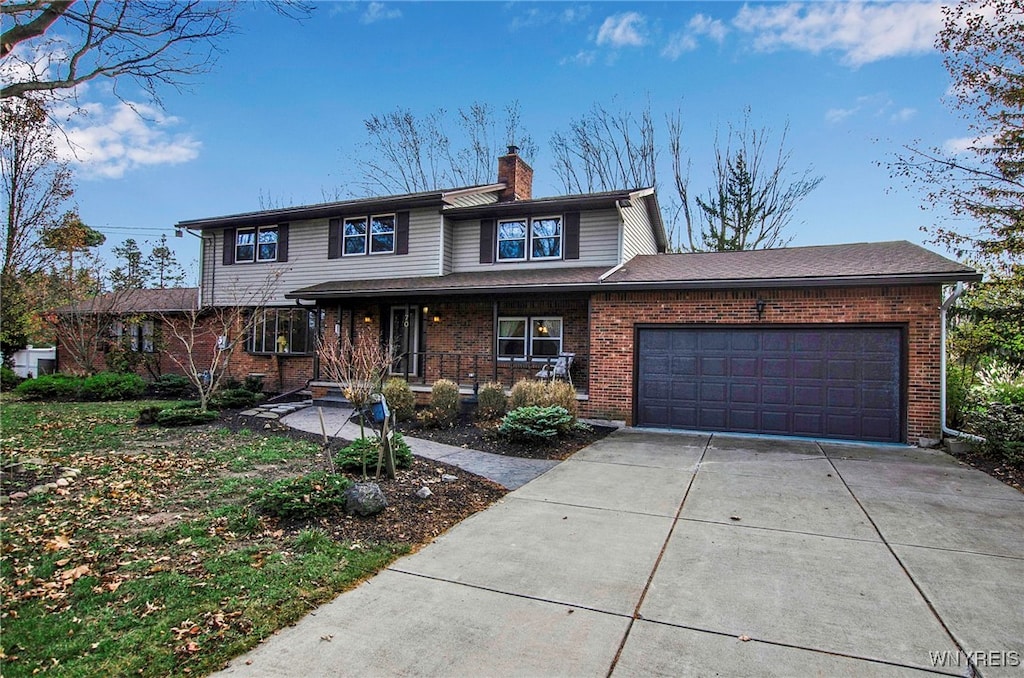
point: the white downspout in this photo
(954, 295)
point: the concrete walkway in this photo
(668, 554)
(510, 472)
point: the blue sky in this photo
(281, 115)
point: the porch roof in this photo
(885, 263)
(579, 278)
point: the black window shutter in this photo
(282, 242)
(572, 235)
(229, 246)
(334, 239)
(487, 241)
(402, 233)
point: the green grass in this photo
(89, 588)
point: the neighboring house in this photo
(130, 324)
(486, 283)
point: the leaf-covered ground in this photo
(153, 561)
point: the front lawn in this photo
(154, 561)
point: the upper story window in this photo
(378, 238)
(256, 244)
(530, 239)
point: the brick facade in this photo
(615, 315)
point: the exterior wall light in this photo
(367, 319)
(760, 306)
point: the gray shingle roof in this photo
(139, 301)
(795, 265)
(884, 263)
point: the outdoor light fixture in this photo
(367, 319)
(437, 318)
(760, 306)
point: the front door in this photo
(405, 339)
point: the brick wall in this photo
(613, 316)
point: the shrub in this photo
(171, 386)
(400, 398)
(535, 393)
(50, 387)
(533, 424)
(314, 494)
(351, 457)
(1002, 426)
(491, 402)
(112, 386)
(234, 399)
(148, 415)
(8, 378)
(253, 383)
(444, 404)
(184, 417)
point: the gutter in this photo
(950, 300)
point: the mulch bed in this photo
(1010, 475)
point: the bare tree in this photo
(209, 336)
(606, 150)
(752, 199)
(52, 46)
(406, 152)
(358, 369)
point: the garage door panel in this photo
(822, 382)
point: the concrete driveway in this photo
(654, 553)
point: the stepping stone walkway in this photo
(275, 410)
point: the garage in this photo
(827, 382)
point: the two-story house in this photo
(488, 283)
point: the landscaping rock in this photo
(958, 446)
(928, 443)
(19, 495)
(62, 482)
(449, 478)
(365, 499)
(38, 489)
(423, 492)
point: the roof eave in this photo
(326, 210)
(539, 206)
(434, 291)
(819, 281)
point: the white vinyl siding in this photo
(638, 238)
(599, 245)
(308, 263)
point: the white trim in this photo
(561, 237)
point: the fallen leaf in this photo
(75, 573)
(745, 638)
(57, 543)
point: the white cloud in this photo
(834, 115)
(965, 145)
(110, 141)
(687, 39)
(623, 30)
(903, 115)
(583, 58)
(861, 32)
(378, 11)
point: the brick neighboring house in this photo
(487, 283)
(130, 320)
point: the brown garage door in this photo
(819, 382)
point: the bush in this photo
(351, 457)
(171, 387)
(535, 393)
(1002, 426)
(148, 415)
(184, 417)
(112, 386)
(253, 383)
(400, 398)
(8, 378)
(234, 399)
(309, 496)
(50, 387)
(533, 424)
(491, 402)
(444, 404)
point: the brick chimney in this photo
(516, 175)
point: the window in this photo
(378, 238)
(283, 331)
(512, 337)
(535, 239)
(136, 336)
(546, 237)
(256, 244)
(382, 234)
(355, 236)
(542, 337)
(512, 240)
